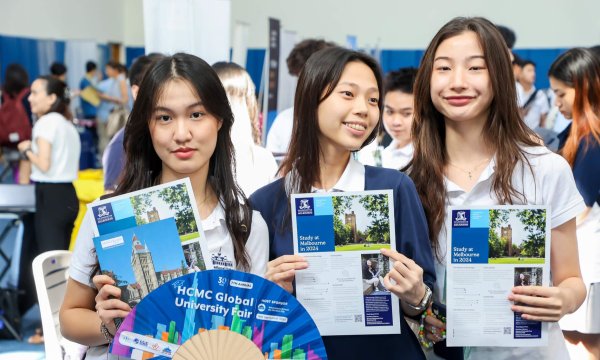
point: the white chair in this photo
(50, 275)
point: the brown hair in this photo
(579, 68)
(317, 81)
(505, 131)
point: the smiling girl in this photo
(337, 110)
(472, 148)
(179, 127)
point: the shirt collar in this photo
(352, 179)
(406, 150)
(214, 220)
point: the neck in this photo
(402, 143)
(332, 164)
(203, 193)
(465, 143)
(526, 86)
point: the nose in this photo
(182, 131)
(458, 79)
(361, 106)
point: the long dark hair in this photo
(143, 166)
(317, 80)
(505, 131)
(63, 98)
(579, 68)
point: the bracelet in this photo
(421, 335)
(107, 335)
(24, 152)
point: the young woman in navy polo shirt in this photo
(337, 110)
(473, 148)
(575, 79)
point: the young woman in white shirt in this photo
(472, 148)
(179, 127)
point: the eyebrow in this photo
(400, 109)
(468, 58)
(163, 108)
(356, 85)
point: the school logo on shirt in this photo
(461, 218)
(220, 261)
(305, 207)
(103, 213)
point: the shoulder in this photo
(384, 178)
(543, 161)
(267, 194)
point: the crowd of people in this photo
(468, 127)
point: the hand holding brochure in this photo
(148, 237)
(489, 251)
(340, 235)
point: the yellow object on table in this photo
(89, 186)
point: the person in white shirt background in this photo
(397, 119)
(533, 102)
(255, 166)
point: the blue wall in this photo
(25, 52)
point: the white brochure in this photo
(491, 250)
(340, 234)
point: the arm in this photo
(552, 303)
(124, 93)
(413, 269)
(85, 308)
(41, 159)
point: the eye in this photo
(347, 93)
(374, 100)
(443, 68)
(196, 115)
(477, 68)
(388, 112)
(163, 118)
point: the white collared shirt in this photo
(551, 184)
(393, 157)
(352, 179)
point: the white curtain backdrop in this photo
(199, 27)
(77, 53)
(287, 82)
(46, 54)
(240, 43)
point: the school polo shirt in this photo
(396, 158)
(551, 183)
(412, 240)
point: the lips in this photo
(356, 128)
(459, 100)
(184, 153)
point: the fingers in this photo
(101, 280)
(283, 270)
(435, 322)
(538, 303)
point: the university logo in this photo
(305, 207)
(103, 213)
(461, 218)
(220, 261)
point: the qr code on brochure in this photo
(507, 330)
(358, 318)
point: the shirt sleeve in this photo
(257, 245)
(559, 190)
(412, 234)
(586, 171)
(45, 128)
(84, 255)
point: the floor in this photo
(12, 349)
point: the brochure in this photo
(340, 234)
(210, 314)
(491, 250)
(136, 231)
